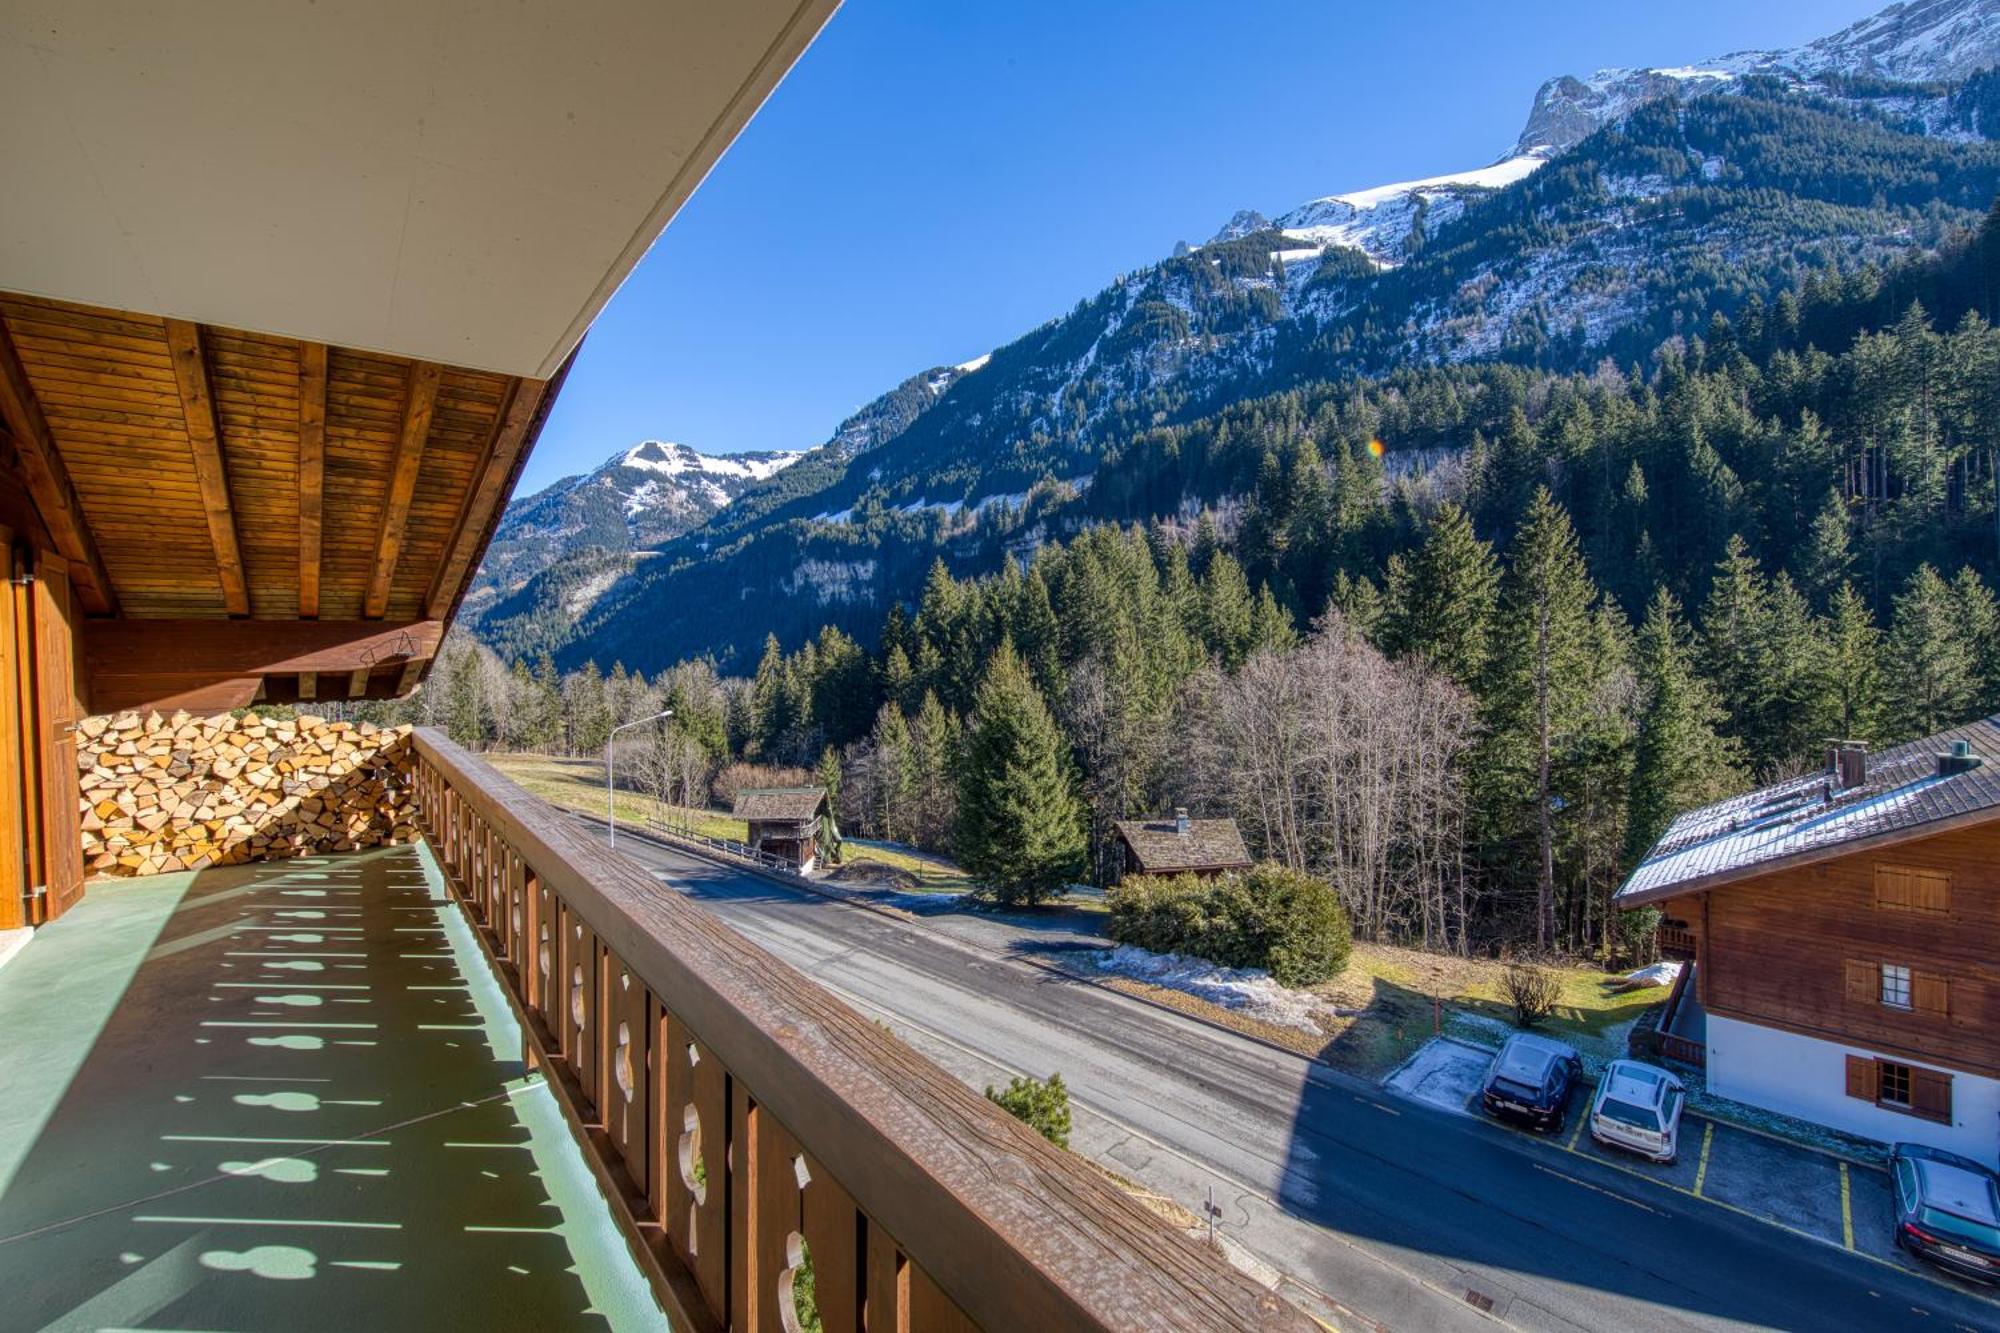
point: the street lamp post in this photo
(611, 770)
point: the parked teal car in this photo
(1947, 1211)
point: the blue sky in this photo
(934, 179)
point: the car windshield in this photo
(1639, 1117)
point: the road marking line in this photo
(1701, 1171)
(1576, 1131)
(1614, 1194)
(1846, 1210)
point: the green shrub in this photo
(1042, 1107)
(1273, 917)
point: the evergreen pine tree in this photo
(1933, 670)
(1444, 608)
(1681, 761)
(1829, 553)
(1541, 680)
(1979, 622)
(1849, 668)
(1020, 824)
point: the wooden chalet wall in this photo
(1779, 949)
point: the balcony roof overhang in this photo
(458, 182)
(287, 290)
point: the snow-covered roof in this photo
(1806, 818)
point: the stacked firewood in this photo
(184, 793)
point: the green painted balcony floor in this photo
(286, 1096)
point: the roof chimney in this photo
(1958, 759)
(1182, 825)
(1853, 765)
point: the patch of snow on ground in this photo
(1443, 1073)
(1248, 990)
(976, 363)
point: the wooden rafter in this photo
(418, 405)
(55, 496)
(312, 471)
(205, 442)
(308, 685)
(511, 432)
(357, 683)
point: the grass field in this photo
(1396, 988)
(578, 784)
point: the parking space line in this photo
(1765, 1219)
(1576, 1131)
(1701, 1171)
(1846, 1210)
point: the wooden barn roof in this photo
(793, 805)
(1158, 848)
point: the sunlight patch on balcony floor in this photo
(241, 1098)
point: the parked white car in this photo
(1638, 1108)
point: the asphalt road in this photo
(1403, 1216)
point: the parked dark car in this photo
(1947, 1211)
(1529, 1081)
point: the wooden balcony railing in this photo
(1671, 1045)
(740, 1118)
(1675, 941)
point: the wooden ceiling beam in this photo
(140, 663)
(419, 403)
(49, 484)
(512, 430)
(357, 683)
(205, 442)
(312, 471)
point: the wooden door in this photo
(15, 747)
(56, 716)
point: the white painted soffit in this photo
(464, 181)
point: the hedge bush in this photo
(1275, 918)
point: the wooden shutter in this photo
(1930, 993)
(1912, 889)
(1930, 1094)
(1864, 982)
(1861, 1080)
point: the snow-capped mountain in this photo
(639, 497)
(1637, 205)
(1922, 41)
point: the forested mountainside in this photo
(1704, 572)
(1639, 232)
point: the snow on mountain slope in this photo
(638, 497)
(1917, 42)
(1379, 221)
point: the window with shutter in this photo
(1930, 994)
(1895, 986)
(1911, 889)
(1861, 1077)
(1863, 979)
(1930, 1094)
(1893, 1083)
